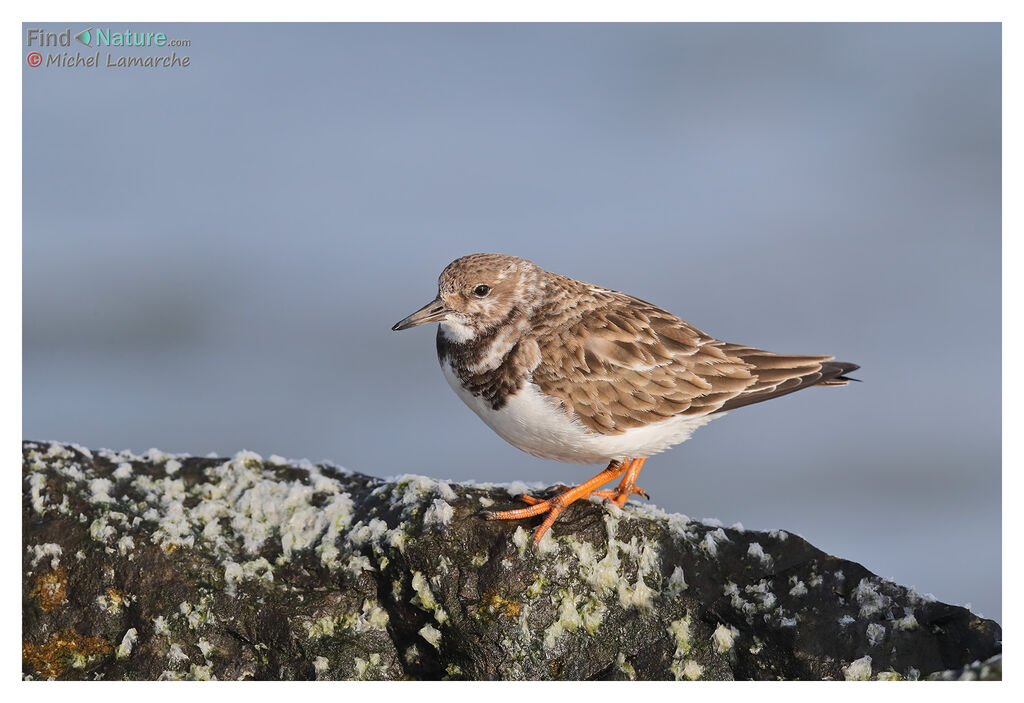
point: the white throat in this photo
(456, 331)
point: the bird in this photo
(582, 374)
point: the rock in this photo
(172, 567)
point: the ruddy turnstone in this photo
(571, 371)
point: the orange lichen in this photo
(495, 603)
(53, 657)
(51, 589)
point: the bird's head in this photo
(478, 292)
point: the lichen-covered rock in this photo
(172, 567)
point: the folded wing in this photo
(624, 363)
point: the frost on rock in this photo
(170, 567)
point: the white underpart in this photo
(456, 331)
(537, 424)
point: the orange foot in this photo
(555, 506)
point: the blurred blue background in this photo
(213, 256)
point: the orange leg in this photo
(555, 506)
(628, 485)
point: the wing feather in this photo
(621, 363)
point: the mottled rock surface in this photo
(172, 567)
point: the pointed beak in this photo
(434, 311)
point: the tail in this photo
(778, 375)
(834, 373)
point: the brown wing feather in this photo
(620, 362)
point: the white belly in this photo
(537, 424)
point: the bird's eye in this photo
(481, 291)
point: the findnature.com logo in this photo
(103, 37)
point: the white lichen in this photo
(869, 598)
(858, 670)
(431, 635)
(680, 632)
(371, 533)
(627, 669)
(907, 622)
(36, 484)
(712, 539)
(756, 551)
(259, 570)
(358, 563)
(125, 544)
(677, 581)
(100, 530)
(176, 654)
(520, 538)
(124, 649)
(568, 619)
(724, 637)
(100, 489)
(424, 598)
(692, 670)
(42, 551)
(439, 513)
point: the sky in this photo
(214, 254)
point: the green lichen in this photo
(680, 631)
(424, 598)
(625, 667)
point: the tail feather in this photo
(834, 373)
(825, 373)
